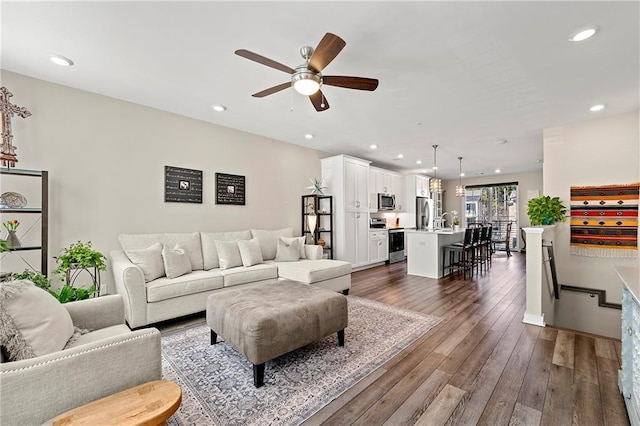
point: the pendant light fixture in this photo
(460, 191)
(435, 184)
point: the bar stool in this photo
(485, 241)
(476, 250)
(460, 255)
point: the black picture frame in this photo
(230, 189)
(182, 185)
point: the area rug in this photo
(217, 381)
(604, 221)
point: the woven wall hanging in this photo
(604, 221)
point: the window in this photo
(496, 204)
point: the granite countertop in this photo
(630, 276)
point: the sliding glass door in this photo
(496, 204)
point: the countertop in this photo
(435, 231)
(630, 276)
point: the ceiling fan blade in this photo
(272, 90)
(327, 50)
(264, 61)
(359, 83)
(319, 101)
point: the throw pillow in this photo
(269, 239)
(209, 252)
(228, 254)
(33, 322)
(287, 252)
(250, 252)
(149, 260)
(176, 261)
(301, 240)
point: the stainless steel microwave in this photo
(386, 201)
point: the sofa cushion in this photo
(303, 254)
(33, 322)
(243, 274)
(189, 241)
(195, 282)
(312, 271)
(149, 260)
(250, 252)
(101, 334)
(288, 252)
(269, 240)
(228, 254)
(209, 252)
(176, 261)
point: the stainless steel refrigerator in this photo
(424, 213)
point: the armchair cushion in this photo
(25, 335)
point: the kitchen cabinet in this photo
(397, 188)
(347, 180)
(11, 178)
(386, 182)
(378, 246)
(629, 375)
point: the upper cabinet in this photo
(386, 182)
(356, 186)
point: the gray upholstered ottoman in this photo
(269, 320)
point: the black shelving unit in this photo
(322, 206)
(43, 210)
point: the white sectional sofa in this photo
(165, 276)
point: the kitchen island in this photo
(424, 256)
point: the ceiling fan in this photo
(307, 78)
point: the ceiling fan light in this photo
(306, 83)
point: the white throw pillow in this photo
(301, 240)
(209, 252)
(287, 251)
(33, 322)
(269, 240)
(176, 261)
(149, 260)
(250, 252)
(228, 254)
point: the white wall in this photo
(106, 161)
(595, 152)
(526, 182)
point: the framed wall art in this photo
(230, 189)
(182, 185)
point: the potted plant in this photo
(544, 210)
(71, 262)
(35, 277)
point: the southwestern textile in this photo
(604, 220)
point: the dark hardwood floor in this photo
(481, 364)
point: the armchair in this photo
(108, 359)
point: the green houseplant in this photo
(544, 210)
(72, 260)
(35, 277)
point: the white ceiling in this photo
(462, 75)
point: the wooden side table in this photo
(149, 404)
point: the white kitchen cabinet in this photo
(629, 376)
(347, 180)
(422, 186)
(397, 188)
(378, 246)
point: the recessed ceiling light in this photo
(497, 170)
(308, 136)
(219, 108)
(538, 161)
(462, 174)
(583, 34)
(501, 141)
(597, 108)
(418, 161)
(400, 156)
(61, 60)
(373, 146)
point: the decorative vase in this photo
(13, 240)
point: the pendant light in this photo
(460, 191)
(435, 184)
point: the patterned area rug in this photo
(217, 381)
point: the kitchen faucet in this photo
(441, 218)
